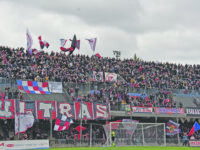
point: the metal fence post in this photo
(142, 134)
(91, 135)
(110, 134)
(51, 130)
(164, 136)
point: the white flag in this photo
(92, 43)
(63, 42)
(29, 42)
(23, 122)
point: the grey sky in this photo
(156, 30)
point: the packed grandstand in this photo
(147, 92)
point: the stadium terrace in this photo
(58, 100)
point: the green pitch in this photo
(128, 148)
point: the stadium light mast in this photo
(117, 54)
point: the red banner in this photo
(51, 109)
(7, 109)
(87, 112)
(46, 110)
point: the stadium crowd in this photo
(19, 64)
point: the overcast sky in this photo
(156, 30)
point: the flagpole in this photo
(51, 121)
(81, 122)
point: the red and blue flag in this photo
(195, 128)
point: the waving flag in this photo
(62, 123)
(72, 48)
(63, 42)
(92, 43)
(23, 122)
(172, 128)
(43, 43)
(78, 44)
(37, 52)
(29, 42)
(98, 55)
(195, 128)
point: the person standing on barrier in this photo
(185, 139)
(113, 138)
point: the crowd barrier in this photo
(92, 85)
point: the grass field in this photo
(128, 148)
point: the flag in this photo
(23, 122)
(72, 48)
(63, 42)
(29, 42)
(79, 128)
(37, 52)
(62, 123)
(46, 44)
(78, 44)
(43, 43)
(195, 128)
(33, 87)
(74, 41)
(98, 55)
(172, 128)
(92, 43)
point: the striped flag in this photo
(29, 42)
(92, 43)
(63, 42)
(172, 128)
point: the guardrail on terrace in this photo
(94, 86)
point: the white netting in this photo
(127, 134)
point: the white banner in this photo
(97, 76)
(138, 109)
(55, 87)
(25, 144)
(23, 122)
(110, 76)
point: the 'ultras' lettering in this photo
(46, 107)
(85, 112)
(65, 108)
(5, 112)
(101, 111)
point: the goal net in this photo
(138, 134)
